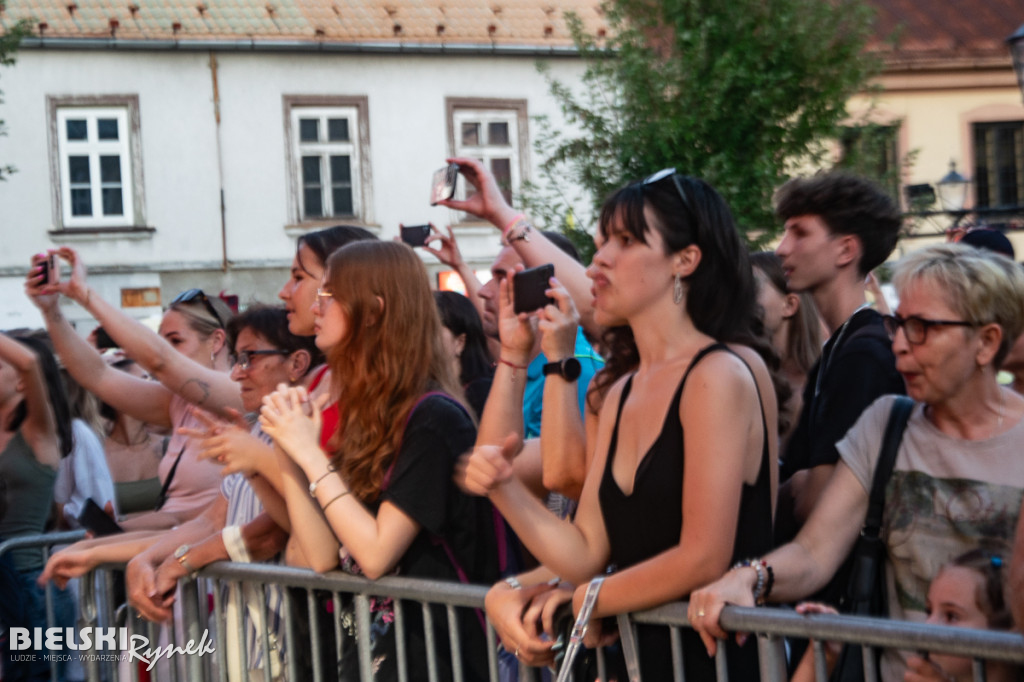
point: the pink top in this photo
(196, 482)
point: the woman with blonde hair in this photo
(960, 311)
(383, 495)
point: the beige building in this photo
(949, 93)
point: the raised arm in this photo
(503, 411)
(447, 251)
(1015, 587)
(40, 427)
(489, 204)
(209, 388)
(563, 440)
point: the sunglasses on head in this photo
(192, 295)
(666, 174)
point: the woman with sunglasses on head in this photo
(189, 358)
(958, 478)
(670, 503)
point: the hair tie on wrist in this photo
(511, 223)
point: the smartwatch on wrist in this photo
(569, 369)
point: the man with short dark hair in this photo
(838, 228)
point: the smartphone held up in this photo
(415, 235)
(442, 187)
(529, 287)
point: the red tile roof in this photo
(435, 22)
(925, 31)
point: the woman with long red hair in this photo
(384, 501)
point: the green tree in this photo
(10, 38)
(738, 93)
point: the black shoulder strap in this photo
(901, 409)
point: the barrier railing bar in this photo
(263, 634)
(721, 664)
(978, 668)
(455, 642)
(339, 630)
(820, 662)
(431, 644)
(492, 653)
(363, 635)
(289, 633)
(771, 652)
(314, 634)
(220, 618)
(676, 642)
(401, 654)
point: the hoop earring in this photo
(677, 290)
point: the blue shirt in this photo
(533, 396)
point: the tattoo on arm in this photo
(197, 395)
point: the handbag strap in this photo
(901, 409)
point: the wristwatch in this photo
(181, 554)
(569, 369)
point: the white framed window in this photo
(493, 131)
(327, 146)
(96, 162)
(95, 167)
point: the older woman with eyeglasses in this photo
(958, 478)
(189, 357)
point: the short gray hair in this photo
(981, 286)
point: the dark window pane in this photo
(497, 133)
(471, 134)
(309, 129)
(502, 171)
(107, 129)
(112, 204)
(337, 129)
(78, 167)
(77, 129)
(998, 163)
(341, 170)
(342, 197)
(310, 170)
(81, 202)
(313, 202)
(110, 169)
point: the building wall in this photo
(184, 174)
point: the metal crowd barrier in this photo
(770, 625)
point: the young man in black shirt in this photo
(838, 228)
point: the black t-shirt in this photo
(457, 539)
(421, 485)
(857, 366)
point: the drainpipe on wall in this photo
(220, 164)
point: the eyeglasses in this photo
(243, 359)
(323, 297)
(916, 328)
(192, 295)
(665, 174)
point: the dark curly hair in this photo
(848, 204)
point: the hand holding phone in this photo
(442, 187)
(98, 521)
(50, 264)
(528, 288)
(415, 235)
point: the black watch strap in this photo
(569, 368)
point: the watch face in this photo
(571, 369)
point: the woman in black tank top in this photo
(682, 480)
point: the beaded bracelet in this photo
(509, 225)
(765, 577)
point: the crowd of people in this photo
(678, 420)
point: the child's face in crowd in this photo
(299, 292)
(953, 600)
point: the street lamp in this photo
(952, 190)
(1016, 43)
